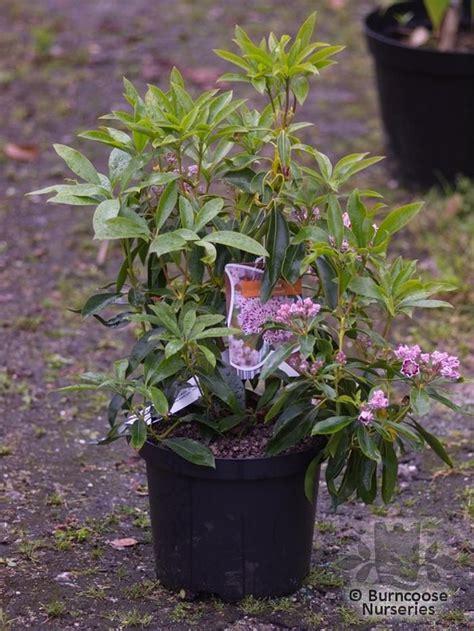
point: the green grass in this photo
(55, 608)
(322, 577)
(252, 606)
(349, 617)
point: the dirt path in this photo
(60, 67)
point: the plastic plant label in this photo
(245, 311)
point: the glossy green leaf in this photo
(191, 450)
(138, 434)
(166, 205)
(79, 164)
(236, 240)
(331, 425)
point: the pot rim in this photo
(281, 465)
(428, 53)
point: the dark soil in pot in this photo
(243, 528)
(426, 100)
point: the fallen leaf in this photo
(120, 544)
(22, 153)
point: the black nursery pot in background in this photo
(243, 528)
(426, 99)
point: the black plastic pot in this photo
(243, 528)
(426, 100)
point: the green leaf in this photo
(367, 445)
(306, 30)
(436, 10)
(119, 161)
(232, 58)
(389, 471)
(420, 401)
(106, 210)
(278, 239)
(310, 477)
(357, 214)
(311, 233)
(300, 87)
(173, 347)
(331, 425)
(186, 213)
(284, 149)
(138, 434)
(167, 242)
(434, 443)
(334, 217)
(98, 302)
(291, 269)
(159, 401)
(236, 240)
(326, 276)
(167, 318)
(241, 179)
(276, 358)
(365, 286)
(127, 228)
(207, 213)
(156, 371)
(166, 204)
(79, 164)
(192, 451)
(396, 220)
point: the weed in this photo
(326, 526)
(455, 615)
(55, 608)
(141, 589)
(219, 605)
(134, 618)
(5, 621)
(55, 499)
(96, 593)
(25, 323)
(183, 612)
(282, 604)
(5, 450)
(39, 431)
(469, 502)
(320, 577)
(463, 559)
(65, 538)
(349, 616)
(55, 361)
(380, 511)
(97, 553)
(29, 548)
(252, 606)
(313, 619)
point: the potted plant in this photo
(424, 64)
(263, 295)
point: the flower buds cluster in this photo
(430, 365)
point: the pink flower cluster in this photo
(242, 354)
(377, 401)
(304, 309)
(299, 363)
(253, 314)
(436, 364)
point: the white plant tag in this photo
(249, 350)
